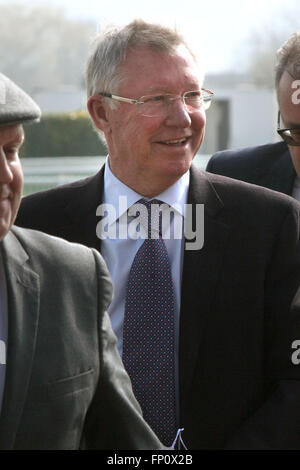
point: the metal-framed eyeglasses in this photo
(290, 135)
(158, 105)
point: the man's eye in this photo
(154, 99)
(193, 95)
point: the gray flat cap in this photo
(16, 107)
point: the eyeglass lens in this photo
(158, 105)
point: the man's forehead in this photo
(159, 69)
(141, 49)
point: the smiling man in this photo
(151, 153)
(205, 334)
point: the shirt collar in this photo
(175, 196)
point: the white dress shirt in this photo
(119, 253)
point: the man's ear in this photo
(98, 112)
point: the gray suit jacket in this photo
(65, 387)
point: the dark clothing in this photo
(266, 165)
(238, 386)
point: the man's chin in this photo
(179, 167)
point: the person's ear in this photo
(98, 112)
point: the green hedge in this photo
(62, 135)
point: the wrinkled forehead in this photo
(160, 70)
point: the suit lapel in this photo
(200, 274)
(281, 176)
(81, 211)
(23, 311)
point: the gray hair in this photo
(110, 49)
(288, 58)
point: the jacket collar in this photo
(80, 212)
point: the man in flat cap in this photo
(16, 107)
(62, 383)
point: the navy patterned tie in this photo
(149, 332)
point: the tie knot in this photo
(149, 204)
(152, 219)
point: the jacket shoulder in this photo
(40, 242)
(55, 258)
(248, 163)
(59, 194)
(236, 194)
(46, 210)
(54, 251)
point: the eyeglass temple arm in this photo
(118, 98)
(278, 120)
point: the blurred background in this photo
(44, 46)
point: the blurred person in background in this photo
(275, 166)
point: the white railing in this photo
(42, 173)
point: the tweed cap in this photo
(16, 107)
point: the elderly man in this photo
(205, 330)
(62, 383)
(275, 166)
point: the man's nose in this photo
(6, 175)
(178, 114)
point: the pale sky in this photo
(217, 29)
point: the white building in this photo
(241, 117)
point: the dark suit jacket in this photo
(238, 387)
(65, 385)
(268, 165)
